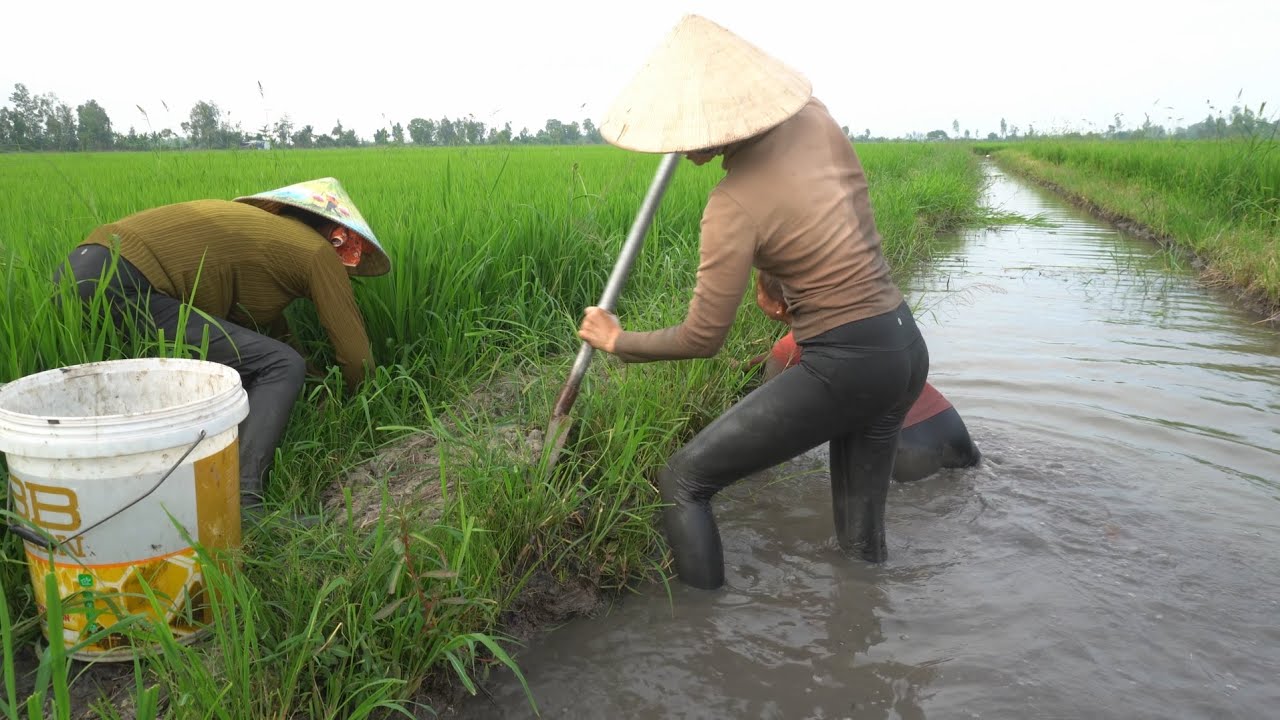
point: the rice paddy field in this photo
(1217, 199)
(495, 253)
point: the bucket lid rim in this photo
(40, 378)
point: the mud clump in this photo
(542, 603)
(545, 601)
(484, 425)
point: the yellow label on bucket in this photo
(100, 575)
(218, 498)
(95, 597)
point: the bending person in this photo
(241, 263)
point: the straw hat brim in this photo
(326, 198)
(704, 87)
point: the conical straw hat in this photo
(702, 88)
(326, 198)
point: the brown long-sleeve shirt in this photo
(241, 263)
(793, 203)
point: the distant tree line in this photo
(1240, 121)
(45, 123)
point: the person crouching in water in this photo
(794, 201)
(240, 264)
(933, 434)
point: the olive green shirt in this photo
(246, 265)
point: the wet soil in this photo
(407, 471)
(92, 685)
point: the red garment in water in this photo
(786, 351)
(930, 403)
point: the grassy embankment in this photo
(1218, 201)
(495, 252)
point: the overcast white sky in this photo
(893, 66)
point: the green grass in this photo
(495, 251)
(1217, 199)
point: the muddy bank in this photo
(97, 689)
(487, 422)
(1253, 300)
(490, 422)
(92, 685)
(404, 478)
(544, 603)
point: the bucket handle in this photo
(34, 538)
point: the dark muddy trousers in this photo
(941, 441)
(272, 372)
(852, 388)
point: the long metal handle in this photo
(618, 278)
(644, 218)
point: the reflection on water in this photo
(1114, 555)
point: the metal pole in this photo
(631, 248)
(626, 258)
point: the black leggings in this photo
(941, 441)
(272, 372)
(852, 388)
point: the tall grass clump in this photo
(1219, 199)
(495, 251)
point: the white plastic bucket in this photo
(81, 443)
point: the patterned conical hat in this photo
(704, 87)
(326, 198)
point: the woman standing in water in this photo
(794, 203)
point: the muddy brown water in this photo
(1115, 554)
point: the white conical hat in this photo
(702, 88)
(326, 197)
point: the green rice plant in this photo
(496, 251)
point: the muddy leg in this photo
(774, 423)
(861, 464)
